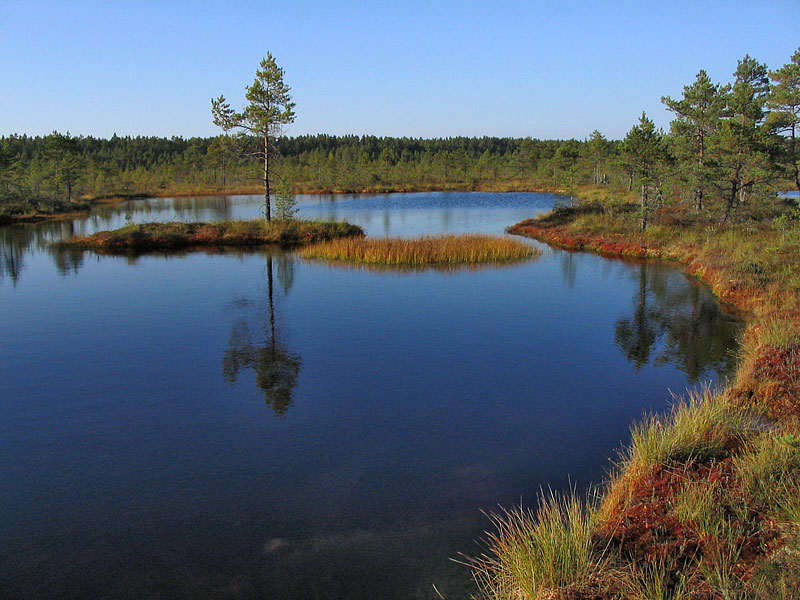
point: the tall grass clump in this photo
(542, 554)
(770, 465)
(655, 580)
(701, 427)
(441, 250)
(780, 331)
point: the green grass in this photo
(165, 236)
(543, 554)
(703, 426)
(654, 581)
(442, 250)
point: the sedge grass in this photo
(654, 580)
(542, 554)
(441, 250)
(701, 427)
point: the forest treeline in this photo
(730, 145)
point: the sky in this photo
(548, 70)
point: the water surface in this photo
(252, 425)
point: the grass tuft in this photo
(542, 555)
(703, 426)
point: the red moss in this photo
(773, 382)
(645, 526)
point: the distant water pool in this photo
(254, 425)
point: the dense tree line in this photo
(729, 146)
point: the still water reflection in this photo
(276, 368)
(139, 459)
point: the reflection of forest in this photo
(17, 242)
(256, 342)
(680, 321)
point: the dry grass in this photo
(442, 250)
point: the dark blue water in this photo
(252, 425)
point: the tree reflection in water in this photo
(682, 323)
(276, 368)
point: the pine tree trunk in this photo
(644, 207)
(731, 200)
(266, 178)
(793, 146)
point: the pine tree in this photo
(645, 150)
(697, 120)
(597, 148)
(784, 100)
(745, 141)
(269, 108)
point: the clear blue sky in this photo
(425, 69)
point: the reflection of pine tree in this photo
(696, 335)
(276, 368)
(637, 335)
(12, 253)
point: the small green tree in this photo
(645, 150)
(218, 155)
(269, 108)
(7, 159)
(784, 100)
(597, 149)
(69, 165)
(285, 203)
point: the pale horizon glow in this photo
(420, 69)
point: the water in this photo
(175, 426)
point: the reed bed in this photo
(441, 250)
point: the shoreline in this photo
(738, 445)
(508, 187)
(146, 237)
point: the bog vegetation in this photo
(441, 250)
(704, 502)
(165, 236)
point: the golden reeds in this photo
(441, 250)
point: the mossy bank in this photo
(166, 236)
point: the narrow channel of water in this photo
(176, 427)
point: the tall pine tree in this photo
(697, 121)
(269, 108)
